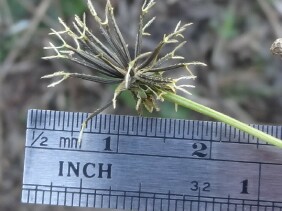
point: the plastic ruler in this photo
(149, 164)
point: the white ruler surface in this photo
(149, 164)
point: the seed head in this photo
(276, 47)
(143, 73)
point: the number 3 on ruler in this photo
(203, 187)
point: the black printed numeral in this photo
(200, 150)
(196, 186)
(108, 144)
(42, 140)
(245, 184)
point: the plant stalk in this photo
(174, 98)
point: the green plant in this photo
(143, 75)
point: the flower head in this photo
(276, 47)
(111, 62)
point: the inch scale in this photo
(149, 164)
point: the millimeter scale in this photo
(149, 164)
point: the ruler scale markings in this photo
(35, 192)
(143, 123)
(105, 128)
(220, 131)
(49, 122)
(72, 198)
(80, 192)
(206, 127)
(171, 130)
(66, 119)
(89, 123)
(50, 197)
(44, 119)
(122, 126)
(164, 131)
(243, 137)
(134, 125)
(183, 204)
(124, 198)
(146, 126)
(113, 124)
(159, 127)
(57, 197)
(179, 126)
(97, 124)
(164, 126)
(67, 127)
(137, 192)
(199, 135)
(54, 125)
(43, 197)
(35, 117)
(109, 203)
(228, 203)
(76, 117)
(191, 205)
(229, 133)
(131, 202)
(175, 128)
(259, 183)
(197, 128)
(87, 200)
(194, 130)
(233, 136)
(260, 127)
(83, 118)
(139, 196)
(65, 196)
(199, 199)
(39, 122)
(71, 121)
(94, 200)
(224, 133)
(149, 127)
(200, 130)
(103, 124)
(131, 125)
(214, 131)
(58, 122)
(30, 119)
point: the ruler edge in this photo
(81, 116)
(82, 113)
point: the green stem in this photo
(221, 117)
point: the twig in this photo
(5, 13)
(30, 8)
(271, 16)
(1, 144)
(24, 41)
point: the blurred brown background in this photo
(243, 79)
